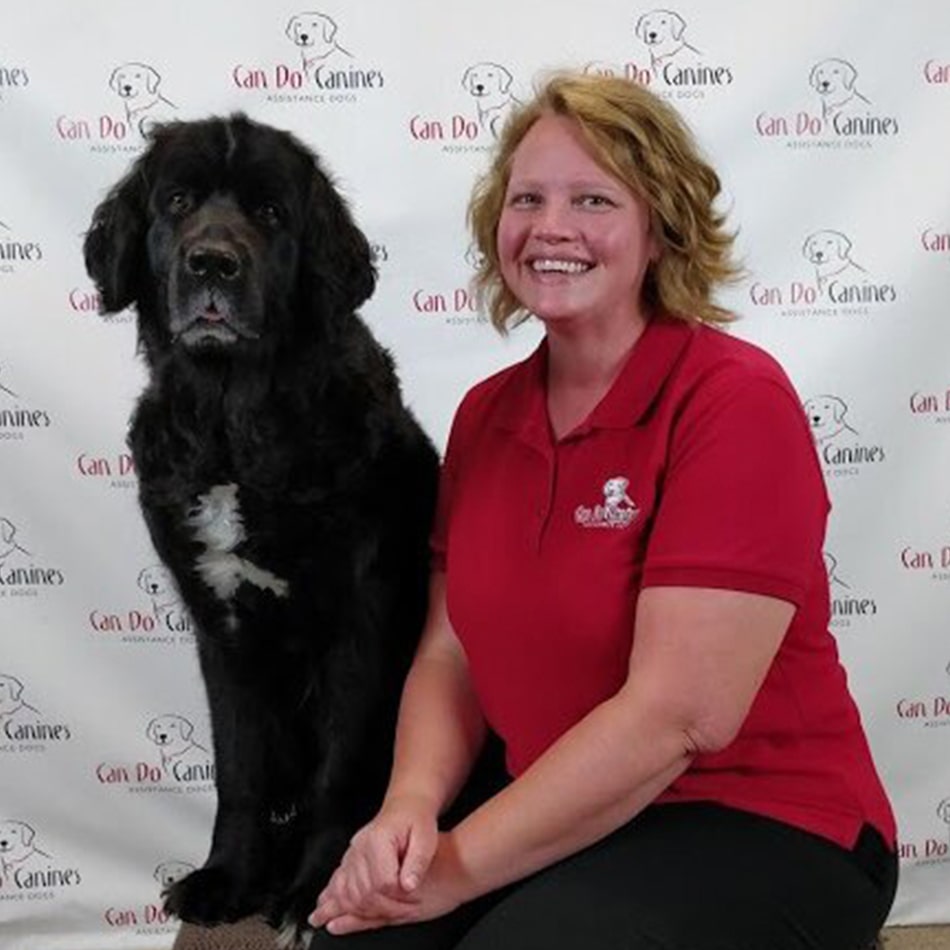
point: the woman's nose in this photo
(554, 222)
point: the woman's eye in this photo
(523, 200)
(594, 201)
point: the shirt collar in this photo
(650, 362)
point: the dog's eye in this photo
(179, 202)
(269, 213)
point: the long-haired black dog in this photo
(285, 485)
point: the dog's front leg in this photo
(233, 881)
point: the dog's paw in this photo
(210, 895)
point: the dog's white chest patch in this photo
(217, 523)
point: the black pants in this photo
(677, 877)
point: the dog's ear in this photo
(466, 76)
(153, 79)
(291, 30)
(329, 28)
(843, 244)
(114, 79)
(506, 79)
(16, 687)
(638, 29)
(114, 246)
(839, 408)
(151, 729)
(813, 76)
(679, 25)
(850, 75)
(7, 530)
(27, 834)
(187, 729)
(335, 255)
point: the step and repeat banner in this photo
(830, 125)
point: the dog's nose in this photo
(304, 37)
(213, 260)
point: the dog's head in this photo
(168, 872)
(832, 76)
(170, 732)
(229, 238)
(311, 31)
(156, 581)
(134, 80)
(826, 415)
(487, 81)
(16, 839)
(824, 247)
(660, 27)
(11, 689)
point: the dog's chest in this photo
(217, 524)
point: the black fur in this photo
(245, 268)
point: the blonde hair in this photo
(644, 143)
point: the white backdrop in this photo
(95, 647)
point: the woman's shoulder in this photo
(721, 356)
(505, 387)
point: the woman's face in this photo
(573, 241)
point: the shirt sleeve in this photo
(742, 505)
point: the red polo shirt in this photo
(697, 468)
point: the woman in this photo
(629, 589)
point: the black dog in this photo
(284, 484)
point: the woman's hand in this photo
(441, 889)
(386, 861)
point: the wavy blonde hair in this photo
(643, 142)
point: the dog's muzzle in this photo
(213, 292)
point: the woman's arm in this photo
(440, 728)
(698, 660)
(439, 732)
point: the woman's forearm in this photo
(595, 778)
(439, 732)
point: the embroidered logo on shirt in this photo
(617, 511)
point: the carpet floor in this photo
(253, 934)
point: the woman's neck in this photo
(581, 369)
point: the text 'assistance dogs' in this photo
(285, 485)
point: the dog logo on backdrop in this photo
(314, 34)
(18, 849)
(489, 84)
(9, 546)
(663, 34)
(168, 872)
(173, 735)
(835, 81)
(830, 252)
(831, 566)
(943, 812)
(156, 581)
(6, 389)
(13, 707)
(138, 85)
(826, 416)
(474, 257)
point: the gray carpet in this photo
(253, 934)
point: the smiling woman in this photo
(631, 514)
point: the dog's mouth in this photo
(210, 318)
